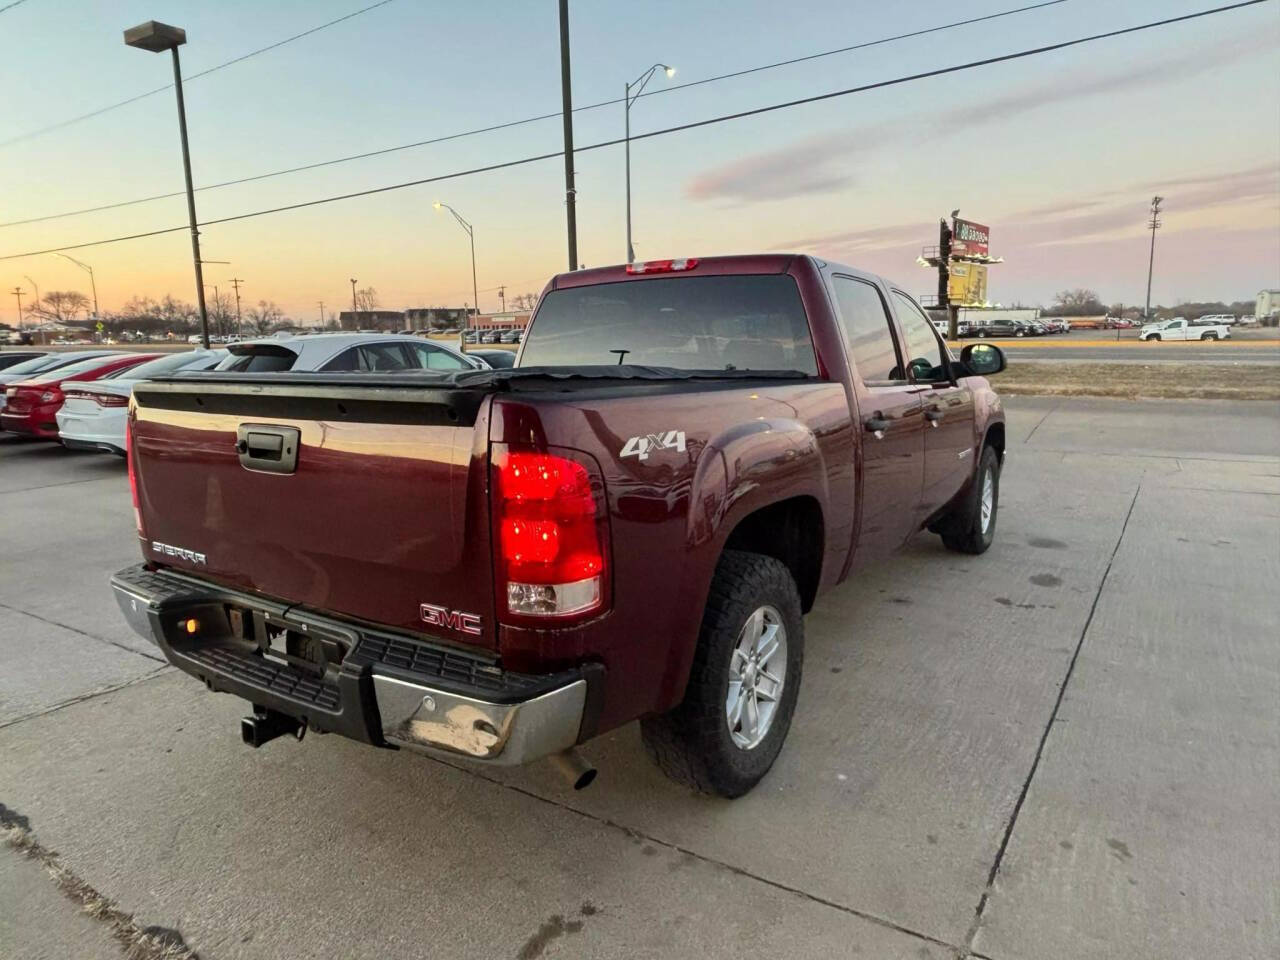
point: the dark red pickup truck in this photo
(631, 523)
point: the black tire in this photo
(982, 334)
(1210, 336)
(1019, 333)
(962, 529)
(1154, 336)
(692, 744)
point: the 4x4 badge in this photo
(642, 446)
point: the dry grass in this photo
(1173, 381)
(139, 943)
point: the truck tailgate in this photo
(384, 510)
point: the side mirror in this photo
(984, 359)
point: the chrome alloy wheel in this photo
(988, 499)
(757, 671)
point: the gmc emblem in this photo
(450, 619)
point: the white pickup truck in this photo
(1181, 329)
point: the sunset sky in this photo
(1059, 154)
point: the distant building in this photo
(381, 320)
(1268, 304)
(434, 318)
(501, 321)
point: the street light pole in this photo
(92, 283)
(1154, 224)
(628, 99)
(566, 96)
(155, 36)
(36, 285)
(355, 314)
(17, 292)
(475, 293)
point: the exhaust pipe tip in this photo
(574, 767)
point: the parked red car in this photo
(31, 405)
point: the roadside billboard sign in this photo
(967, 284)
(969, 238)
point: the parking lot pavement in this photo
(1068, 747)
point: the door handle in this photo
(268, 448)
(933, 415)
(876, 425)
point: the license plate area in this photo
(289, 642)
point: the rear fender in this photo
(746, 468)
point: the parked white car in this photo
(1226, 319)
(346, 353)
(1179, 329)
(94, 413)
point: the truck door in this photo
(892, 465)
(948, 408)
(1176, 330)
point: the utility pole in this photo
(502, 295)
(1154, 224)
(321, 314)
(355, 314)
(235, 282)
(566, 93)
(17, 292)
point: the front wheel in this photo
(971, 525)
(1019, 334)
(726, 733)
(982, 334)
(1155, 337)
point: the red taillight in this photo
(110, 400)
(552, 533)
(663, 266)
(133, 472)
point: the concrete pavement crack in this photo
(1047, 413)
(776, 884)
(64, 483)
(159, 671)
(1044, 735)
(91, 636)
(138, 942)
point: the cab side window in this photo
(868, 329)
(383, 357)
(925, 359)
(433, 358)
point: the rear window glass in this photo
(72, 369)
(268, 359)
(687, 322)
(155, 368)
(35, 365)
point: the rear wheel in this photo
(982, 333)
(971, 525)
(1210, 336)
(726, 733)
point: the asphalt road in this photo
(1066, 748)
(1246, 346)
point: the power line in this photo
(10, 6)
(168, 86)
(723, 118)
(527, 120)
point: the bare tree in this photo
(264, 317)
(523, 301)
(367, 300)
(1080, 302)
(61, 305)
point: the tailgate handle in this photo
(268, 448)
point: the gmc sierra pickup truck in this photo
(629, 524)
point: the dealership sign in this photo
(969, 239)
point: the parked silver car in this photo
(345, 352)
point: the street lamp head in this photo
(437, 204)
(669, 71)
(155, 36)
